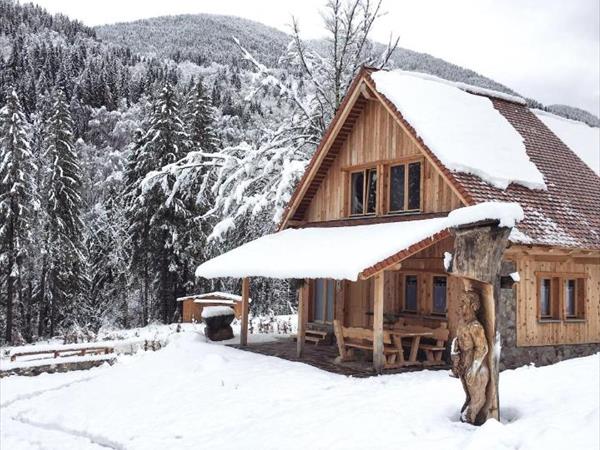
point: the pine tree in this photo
(64, 261)
(199, 118)
(158, 212)
(17, 197)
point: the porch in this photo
(323, 356)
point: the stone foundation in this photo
(513, 356)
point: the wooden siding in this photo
(376, 138)
(533, 332)
(358, 297)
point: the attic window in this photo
(363, 187)
(405, 187)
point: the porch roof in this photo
(347, 252)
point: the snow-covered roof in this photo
(209, 297)
(579, 137)
(343, 252)
(463, 129)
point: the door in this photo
(323, 301)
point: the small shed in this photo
(192, 305)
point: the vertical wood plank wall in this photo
(427, 263)
(531, 332)
(376, 137)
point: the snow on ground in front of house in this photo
(130, 341)
(193, 394)
(579, 137)
(457, 125)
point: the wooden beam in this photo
(245, 308)
(303, 299)
(378, 355)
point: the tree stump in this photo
(218, 322)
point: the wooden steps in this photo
(315, 336)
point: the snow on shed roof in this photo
(217, 295)
(343, 252)
(464, 131)
(579, 137)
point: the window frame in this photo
(406, 163)
(558, 297)
(366, 171)
(417, 309)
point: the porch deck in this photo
(323, 356)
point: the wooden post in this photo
(378, 356)
(488, 315)
(303, 299)
(245, 308)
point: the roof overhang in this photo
(347, 252)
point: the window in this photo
(323, 300)
(570, 298)
(363, 187)
(439, 295)
(546, 298)
(410, 293)
(561, 296)
(574, 298)
(405, 187)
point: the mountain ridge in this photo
(177, 37)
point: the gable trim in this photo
(340, 118)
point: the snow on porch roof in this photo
(343, 253)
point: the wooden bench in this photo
(435, 350)
(350, 338)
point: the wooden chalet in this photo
(539, 282)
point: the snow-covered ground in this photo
(193, 394)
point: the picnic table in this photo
(415, 333)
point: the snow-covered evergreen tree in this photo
(158, 213)
(17, 199)
(199, 117)
(64, 262)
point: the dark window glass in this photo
(545, 289)
(397, 188)
(570, 297)
(410, 293)
(372, 191)
(330, 299)
(358, 190)
(439, 295)
(319, 299)
(414, 186)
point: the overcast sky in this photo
(545, 49)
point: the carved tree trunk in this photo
(477, 259)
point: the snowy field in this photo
(193, 394)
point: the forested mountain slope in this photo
(201, 38)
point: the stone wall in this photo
(506, 324)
